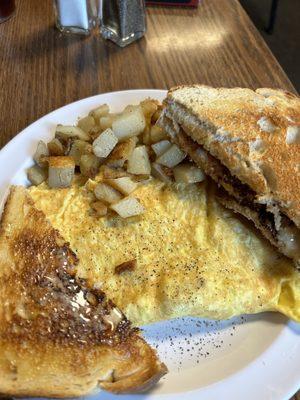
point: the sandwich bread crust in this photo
(255, 134)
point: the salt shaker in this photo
(75, 16)
(122, 21)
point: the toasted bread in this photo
(60, 337)
(202, 111)
(252, 136)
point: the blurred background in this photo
(284, 41)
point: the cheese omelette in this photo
(193, 257)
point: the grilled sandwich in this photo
(248, 142)
(60, 336)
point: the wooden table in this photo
(41, 69)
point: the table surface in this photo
(42, 69)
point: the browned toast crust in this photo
(59, 337)
(247, 131)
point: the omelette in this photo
(191, 256)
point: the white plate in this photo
(253, 358)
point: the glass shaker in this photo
(122, 21)
(7, 9)
(75, 16)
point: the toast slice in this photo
(249, 143)
(60, 337)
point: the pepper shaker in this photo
(75, 16)
(122, 21)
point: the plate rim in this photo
(236, 383)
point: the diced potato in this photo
(55, 148)
(116, 163)
(67, 143)
(107, 121)
(151, 154)
(100, 208)
(41, 151)
(121, 153)
(66, 131)
(128, 124)
(112, 173)
(138, 162)
(149, 106)
(37, 175)
(140, 177)
(146, 137)
(156, 115)
(87, 124)
(128, 207)
(124, 185)
(107, 194)
(90, 185)
(100, 112)
(188, 173)
(173, 156)
(157, 134)
(162, 173)
(161, 147)
(78, 149)
(129, 108)
(89, 165)
(61, 171)
(95, 132)
(105, 143)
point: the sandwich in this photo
(60, 336)
(248, 142)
